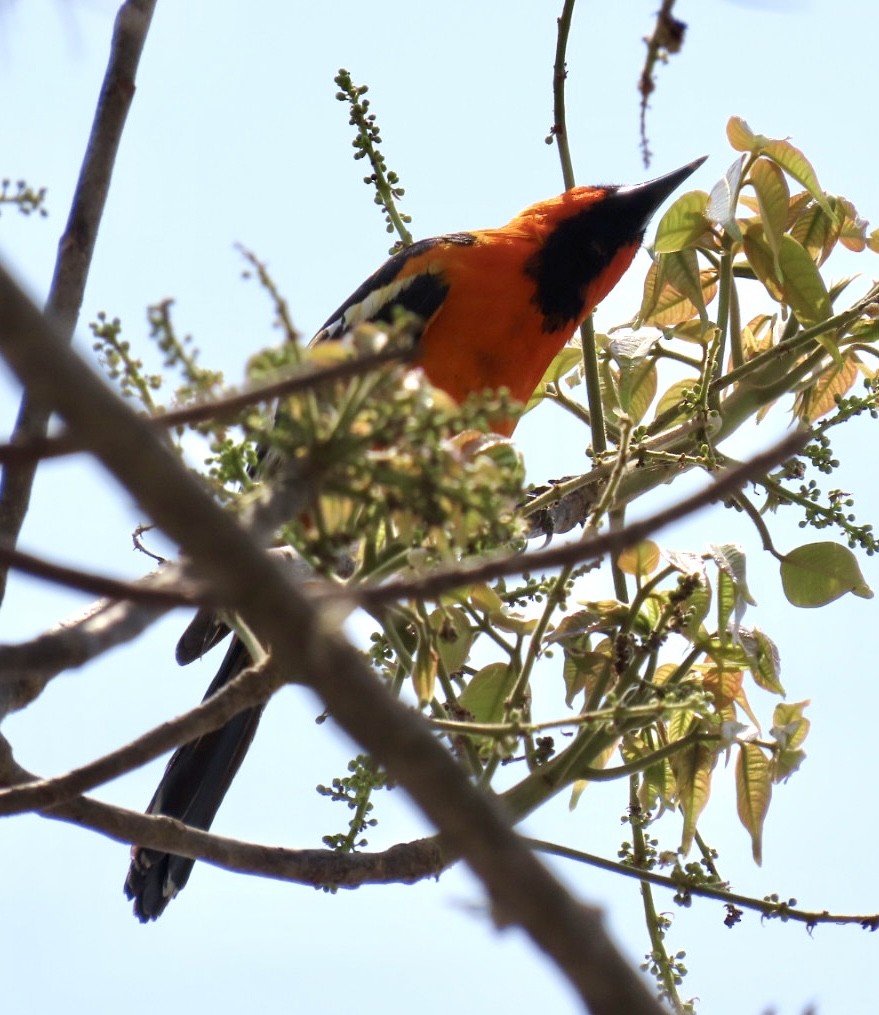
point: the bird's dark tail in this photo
(192, 789)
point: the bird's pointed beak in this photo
(647, 197)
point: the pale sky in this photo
(235, 136)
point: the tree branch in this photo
(36, 449)
(25, 670)
(253, 686)
(146, 590)
(449, 578)
(306, 646)
(77, 246)
(405, 863)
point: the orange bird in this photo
(496, 306)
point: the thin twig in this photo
(143, 591)
(684, 886)
(446, 579)
(219, 408)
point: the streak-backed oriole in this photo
(496, 306)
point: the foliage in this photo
(662, 670)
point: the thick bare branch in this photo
(26, 669)
(405, 863)
(307, 646)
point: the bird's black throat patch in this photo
(576, 253)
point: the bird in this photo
(495, 306)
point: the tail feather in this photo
(192, 789)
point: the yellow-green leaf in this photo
(638, 389)
(424, 673)
(680, 271)
(757, 335)
(791, 159)
(658, 788)
(671, 399)
(763, 659)
(740, 135)
(795, 164)
(679, 725)
(641, 559)
(692, 769)
(763, 261)
(683, 223)
(582, 670)
(853, 229)
(486, 599)
(818, 573)
(753, 793)
(820, 398)
(816, 232)
(663, 305)
(454, 637)
(724, 685)
(789, 726)
(773, 196)
(486, 694)
(599, 762)
(515, 623)
(803, 287)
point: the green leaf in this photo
(753, 793)
(773, 196)
(486, 694)
(683, 223)
(817, 573)
(789, 158)
(741, 137)
(642, 559)
(692, 769)
(795, 164)
(454, 637)
(763, 659)
(802, 285)
(789, 726)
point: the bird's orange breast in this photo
(490, 333)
